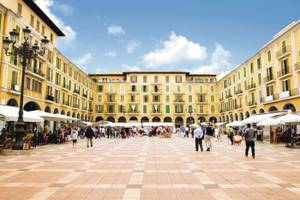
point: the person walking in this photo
(250, 140)
(74, 136)
(198, 138)
(208, 136)
(89, 134)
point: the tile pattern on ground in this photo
(150, 168)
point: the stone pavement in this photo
(150, 168)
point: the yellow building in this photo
(52, 82)
(178, 97)
(266, 82)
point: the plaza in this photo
(150, 168)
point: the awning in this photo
(52, 117)
(10, 113)
(235, 124)
(253, 119)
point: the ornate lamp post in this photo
(25, 51)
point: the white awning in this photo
(10, 113)
(52, 117)
(253, 119)
(235, 124)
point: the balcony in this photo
(77, 91)
(283, 73)
(284, 94)
(91, 110)
(84, 95)
(283, 52)
(50, 98)
(252, 103)
(238, 92)
(251, 86)
(201, 101)
(178, 101)
(36, 72)
(228, 96)
(268, 78)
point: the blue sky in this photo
(199, 36)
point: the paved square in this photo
(150, 168)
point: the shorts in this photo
(74, 141)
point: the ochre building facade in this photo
(269, 81)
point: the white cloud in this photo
(46, 5)
(115, 30)
(84, 60)
(175, 50)
(130, 68)
(64, 9)
(219, 62)
(111, 54)
(132, 45)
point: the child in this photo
(74, 136)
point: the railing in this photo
(252, 103)
(37, 71)
(179, 101)
(283, 72)
(238, 92)
(283, 51)
(268, 78)
(251, 86)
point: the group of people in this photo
(208, 132)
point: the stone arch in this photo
(178, 121)
(231, 117)
(12, 102)
(48, 109)
(56, 111)
(63, 112)
(236, 117)
(133, 118)
(261, 111)
(73, 114)
(122, 120)
(227, 118)
(247, 114)
(144, 119)
(156, 119)
(213, 119)
(253, 112)
(69, 113)
(78, 116)
(190, 120)
(167, 119)
(30, 106)
(111, 119)
(99, 118)
(241, 116)
(273, 109)
(201, 119)
(289, 106)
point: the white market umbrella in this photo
(289, 119)
(269, 122)
(11, 113)
(235, 124)
(254, 119)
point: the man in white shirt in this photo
(198, 138)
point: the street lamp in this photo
(26, 51)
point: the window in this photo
(245, 72)
(32, 20)
(190, 98)
(190, 88)
(269, 56)
(43, 30)
(270, 90)
(100, 88)
(133, 79)
(167, 108)
(190, 110)
(178, 89)
(167, 98)
(36, 86)
(201, 109)
(286, 85)
(51, 37)
(285, 67)
(283, 46)
(122, 98)
(259, 79)
(19, 12)
(212, 88)
(111, 108)
(155, 79)
(133, 88)
(58, 63)
(144, 109)
(38, 26)
(269, 73)
(28, 80)
(155, 98)
(14, 78)
(155, 88)
(258, 62)
(178, 109)
(49, 90)
(132, 98)
(167, 88)
(144, 79)
(178, 79)
(251, 68)
(145, 98)
(212, 98)
(212, 109)
(144, 88)
(167, 79)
